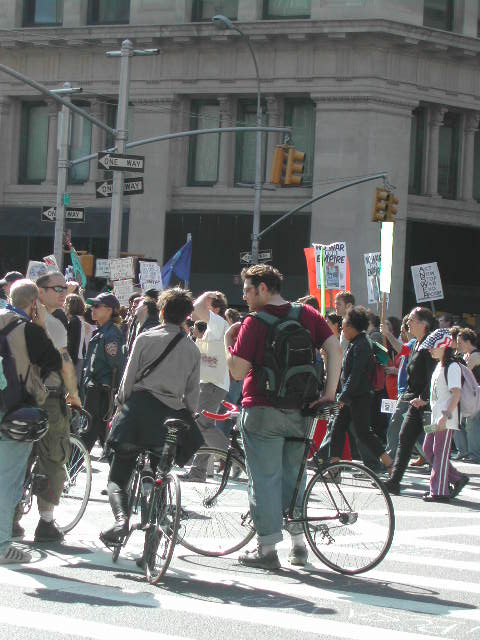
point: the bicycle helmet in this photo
(26, 424)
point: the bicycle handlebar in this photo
(232, 412)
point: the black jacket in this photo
(358, 369)
(419, 373)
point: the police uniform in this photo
(104, 364)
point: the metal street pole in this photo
(62, 176)
(257, 202)
(121, 136)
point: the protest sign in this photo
(51, 263)
(102, 269)
(335, 261)
(388, 406)
(150, 276)
(427, 282)
(121, 268)
(372, 267)
(36, 269)
(123, 289)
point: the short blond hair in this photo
(23, 293)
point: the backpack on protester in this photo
(470, 398)
(290, 376)
(12, 388)
(381, 357)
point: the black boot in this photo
(119, 503)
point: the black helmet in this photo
(26, 424)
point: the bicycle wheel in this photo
(76, 488)
(162, 529)
(215, 521)
(349, 518)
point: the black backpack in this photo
(12, 388)
(289, 376)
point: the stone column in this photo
(274, 120)
(471, 126)
(52, 153)
(435, 121)
(225, 161)
(98, 138)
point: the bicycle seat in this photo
(177, 424)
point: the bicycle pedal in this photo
(39, 483)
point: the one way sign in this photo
(131, 186)
(121, 162)
(49, 214)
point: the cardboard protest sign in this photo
(372, 268)
(51, 263)
(123, 289)
(427, 282)
(121, 268)
(388, 406)
(150, 276)
(335, 261)
(36, 269)
(102, 268)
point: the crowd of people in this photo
(171, 356)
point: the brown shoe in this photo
(419, 462)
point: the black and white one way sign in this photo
(121, 162)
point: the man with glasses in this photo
(104, 365)
(54, 448)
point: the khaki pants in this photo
(53, 452)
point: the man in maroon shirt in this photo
(272, 461)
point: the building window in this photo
(417, 151)
(246, 144)
(274, 9)
(33, 143)
(206, 9)
(438, 14)
(204, 149)
(80, 145)
(300, 115)
(448, 156)
(42, 13)
(108, 11)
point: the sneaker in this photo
(258, 560)
(192, 477)
(430, 498)
(419, 462)
(298, 556)
(14, 556)
(18, 531)
(48, 532)
(392, 487)
(458, 486)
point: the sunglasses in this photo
(57, 288)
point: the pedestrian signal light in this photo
(295, 167)
(279, 163)
(380, 204)
(392, 208)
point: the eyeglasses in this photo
(57, 288)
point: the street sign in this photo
(263, 256)
(72, 214)
(131, 186)
(121, 162)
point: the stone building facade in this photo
(367, 86)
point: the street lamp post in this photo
(257, 203)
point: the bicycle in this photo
(78, 477)
(157, 499)
(346, 513)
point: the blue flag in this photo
(179, 264)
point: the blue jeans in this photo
(472, 429)
(460, 440)
(13, 466)
(273, 464)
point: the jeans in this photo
(273, 464)
(460, 440)
(472, 429)
(13, 466)
(412, 427)
(395, 425)
(209, 399)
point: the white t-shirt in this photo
(58, 335)
(213, 366)
(440, 393)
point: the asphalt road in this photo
(427, 587)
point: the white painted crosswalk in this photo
(427, 587)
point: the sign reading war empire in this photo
(120, 162)
(131, 186)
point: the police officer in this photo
(104, 365)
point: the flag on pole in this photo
(77, 267)
(179, 264)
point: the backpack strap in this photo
(171, 345)
(11, 326)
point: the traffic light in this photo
(295, 167)
(279, 163)
(380, 205)
(392, 209)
